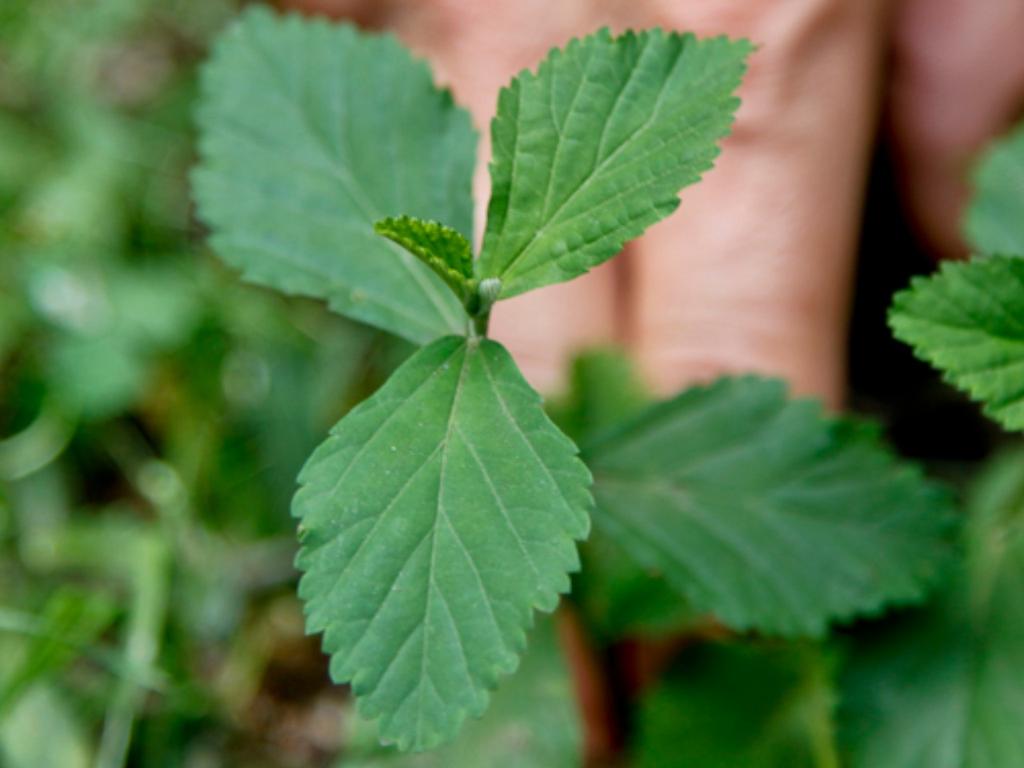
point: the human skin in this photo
(754, 271)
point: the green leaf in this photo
(594, 147)
(617, 596)
(942, 688)
(438, 514)
(604, 389)
(736, 706)
(300, 155)
(447, 252)
(995, 218)
(532, 722)
(622, 598)
(968, 321)
(766, 513)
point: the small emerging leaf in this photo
(594, 147)
(447, 252)
(995, 218)
(436, 517)
(300, 155)
(764, 512)
(968, 321)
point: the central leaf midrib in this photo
(438, 513)
(501, 504)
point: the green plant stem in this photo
(145, 627)
(29, 625)
(478, 325)
(37, 445)
(150, 582)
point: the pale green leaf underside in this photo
(943, 689)
(595, 146)
(968, 321)
(300, 155)
(765, 513)
(447, 252)
(995, 218)
(438, 515)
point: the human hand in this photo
(754, 272)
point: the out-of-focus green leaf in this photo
(942, 688)
(995, 218)
(46, 50)
(532, 722)
(14, 320)
(604, 390)
(968, 321)
(41, 731)
(81, 199)
(22, 154)
(620, 597)
(738, 706)
(764, 512)
(112, 325)
(617, 595)
(95, 377)
(301, 155)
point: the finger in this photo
(367, 13)
(600, 731)
(754, 272)
(958, 80)
(476, 48)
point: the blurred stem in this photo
(160, 485)
(478, 325)
(37, 445)
(145, 628)
(29, 625)
(810, 703)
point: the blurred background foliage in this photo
(153, 416)
(154, 413)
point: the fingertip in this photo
(957, 81)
